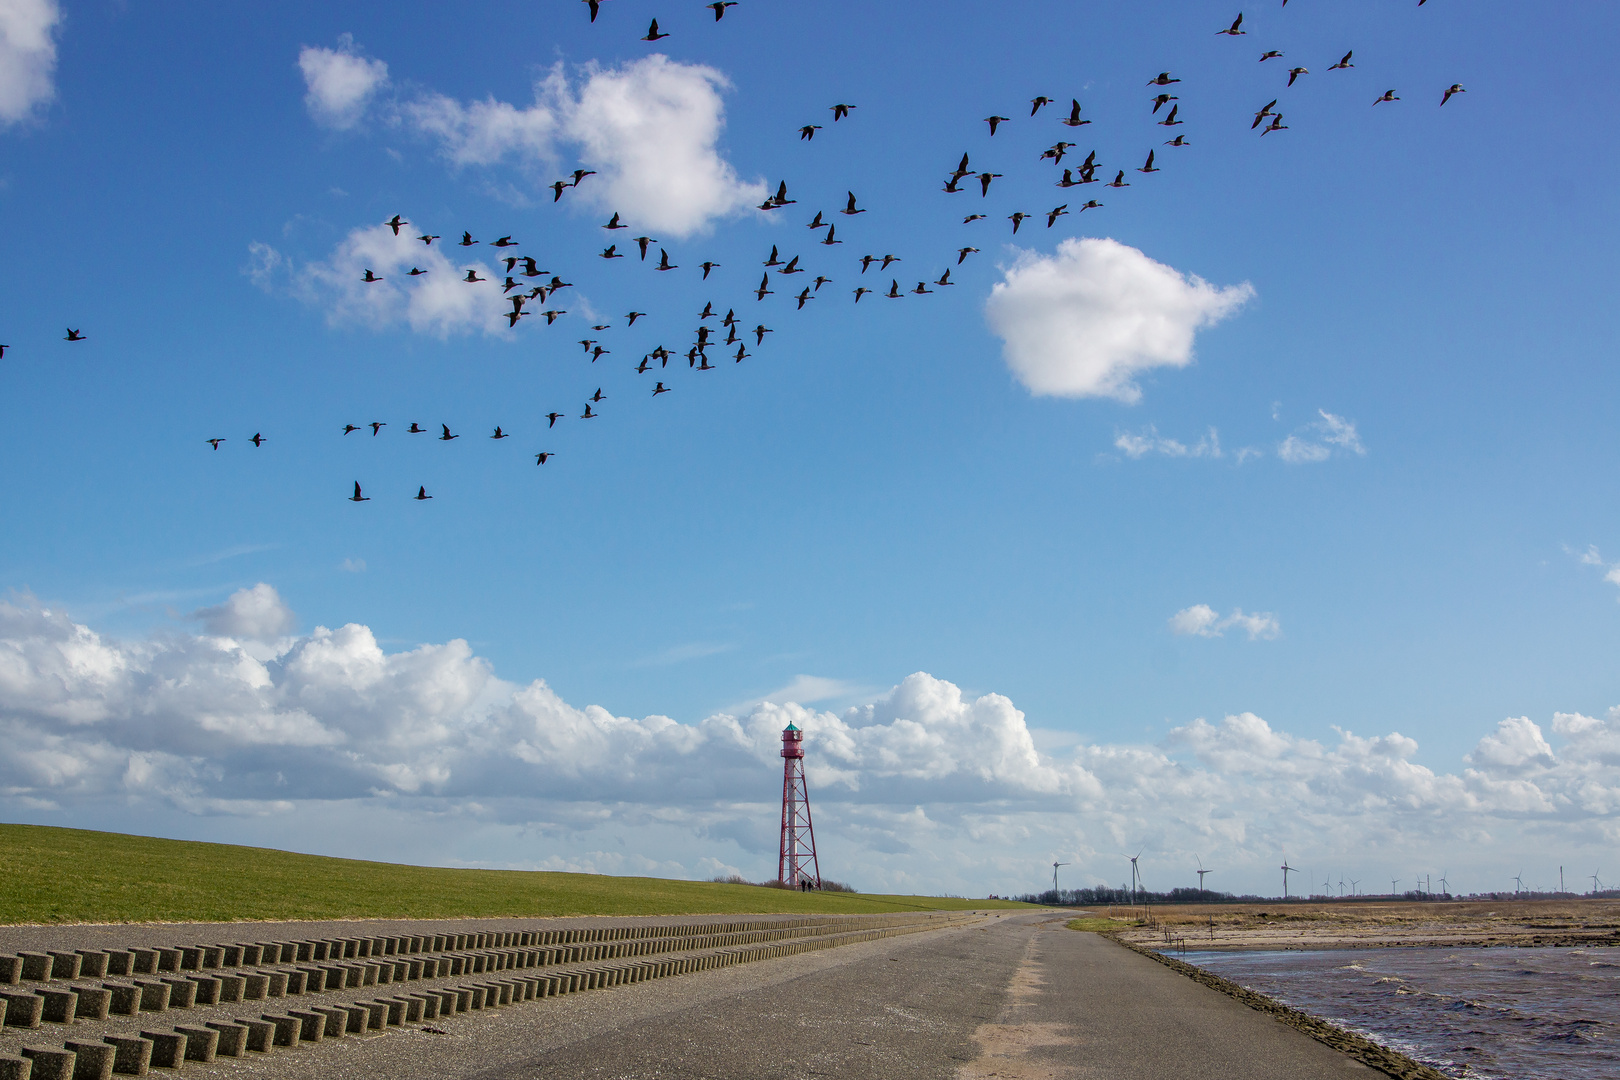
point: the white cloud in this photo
(1086, 321)
(353, 566)
(439, 302)
(339, 84)
(425, 754)
(256, 613)
(1317, 441)
(1592, 557)
(27, 56)
(650, 128)
(1201, 620)
(1151, 442)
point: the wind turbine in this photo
(1596, 884)
(1518, 881)
(1054, 874)
(1341, 886)
(1286, 869)
(1394, 881)
(1136, 875)
(1353, 883)
(1201, 873)
(1445, 887)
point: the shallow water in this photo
(1539, 1014)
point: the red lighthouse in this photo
(796, 865)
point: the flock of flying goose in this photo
(532, 291)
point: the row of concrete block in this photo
(135, 1055)
(66, 965)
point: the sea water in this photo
(1487, 1013)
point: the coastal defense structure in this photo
(796, 864)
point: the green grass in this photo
(50, 875)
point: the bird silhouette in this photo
(887, 259)
(416, 429)
(984, 182)
(214, 442)
(1119, 180)
(472, 276)
(73, 335)
(963, 253)
(1294, 73)
(611, 252)
(634, 315)
(860, 292)
(663, 261)
(763, 291)
(804, 297)
(972, 218)
(467, 240)
(376, 426)
(1073, 119)
(819, 282)
(792, 267)
(1051, 217)
(828, 240)
(995, 122)
(759, 333)
(1162, 100)
(427, 238)
(1036, 104)
(719, 8)
(643, 242)
(1179, 140)
(416, 271)
(557, 188)
(370, 277)
(347, 428)
(595, 6)
(840, 111)
(446, 437)
(1233, 30)
(422, 495)
(543, 456)
(1344, 62)
(257, 440)
(1148, 167)
(357, 497)
(1017, 219)
(1265, 111)
(894, 290)
(660, 389)
(653, 34)
(505, 242)
(922, 289)
(808, 132)
(945, 279)
(1272, 54)
(499, 434)
(1389, 95)
(613, 223)
(1455, 88)
(587, 414)
(553, 417)
(1163, 79)
(850, 208)
(395, 222)
(1275, 125)
(551, 316)
(707, 266)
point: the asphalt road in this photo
(1018, 997)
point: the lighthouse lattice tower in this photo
(796, 864)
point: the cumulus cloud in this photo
(1318, 441)
(256, 613)
(1089, 319)
(649, 128)
(1592, 557)
(1201, 620)
(339, 83)
(925, 788)
(27, 56)
(439, 302)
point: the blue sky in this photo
(874, 491)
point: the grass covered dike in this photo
(54, 875)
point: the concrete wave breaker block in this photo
(232, 1037)
(94, 1002)
(254, 986)
(50, 1064)
(120, 962)
(207, 992)
(358, 1019)
(337, 1020)
(154, 995)
(288, 1029)
(202, 1043)
(261, 1036)
(92, 964)
(15, 1068)
(10, 970)
(60, 1006)
(65, 965)
(182, 993)
(312, 1025)
(131, 1056)
(92, 1060)
(168, 1048)
(23, 1010)
(36, 966)
(430, 1005)
(230, 988)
